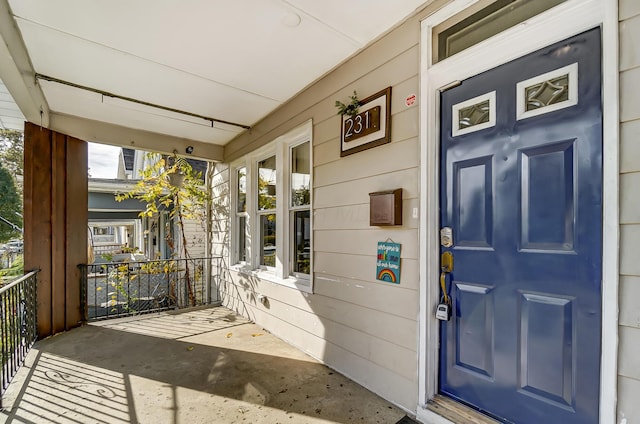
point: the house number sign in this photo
(369, 128)
(362, 124)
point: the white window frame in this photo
(291, 210)
(282, 273)
(257, 213)
(235, 258)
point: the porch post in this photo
(55, 223)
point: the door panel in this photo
(473, 202)
(474, 328)
(546, 340)
(548, 209)
(523, 196)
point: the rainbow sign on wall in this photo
(388, 262)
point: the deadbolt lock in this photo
(446, 237)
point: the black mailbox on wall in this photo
(385, 207)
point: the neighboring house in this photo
(504, 139)
(117, 224)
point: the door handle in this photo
(446, 266)
(443, 287)
(443, 310)
(446, 262)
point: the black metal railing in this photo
(117, 289)
(18, 329)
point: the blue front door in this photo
(521, 191)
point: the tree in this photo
(10, 207)
(172, 184)
(12, 154)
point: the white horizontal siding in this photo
(362, 268)
(629, 100)
(629, 315)
(365, 242)
(630, 43)
(342, 217)
(364, 328)
(385, 297)
(629, 305)
(195, 233)
(629, 365)
(628, 405)
(323, 318)
(356, 191)
(629, 247)
(630, 146)
(629, 202)
(388, 384)
(628, 9)
(221, 210)
(307, 311)
(392, 157)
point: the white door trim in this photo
(554, 25)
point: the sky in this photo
(103, 160)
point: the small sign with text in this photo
(388, 262)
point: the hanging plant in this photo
(350, 109)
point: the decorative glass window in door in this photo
(548, 92)
(474, 114)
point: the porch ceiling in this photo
(231, 61)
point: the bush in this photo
(15, 270)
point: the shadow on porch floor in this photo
(199, 366)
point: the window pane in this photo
(242, 190)
(300, 175)
(472, 26)
(302, 242)
(474, 114)
(547, 93)
(268, 239)
(267, 184)
(242, 239)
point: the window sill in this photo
(298, 283)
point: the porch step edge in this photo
(457, 412)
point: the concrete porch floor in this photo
(199, 366)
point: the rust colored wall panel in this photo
(77, 219)
(55, 222)
(37, 217)
(58, 230)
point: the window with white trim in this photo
(300, 209)
(267, 211)
(272, 200)
(481, 21)
(240, 224)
